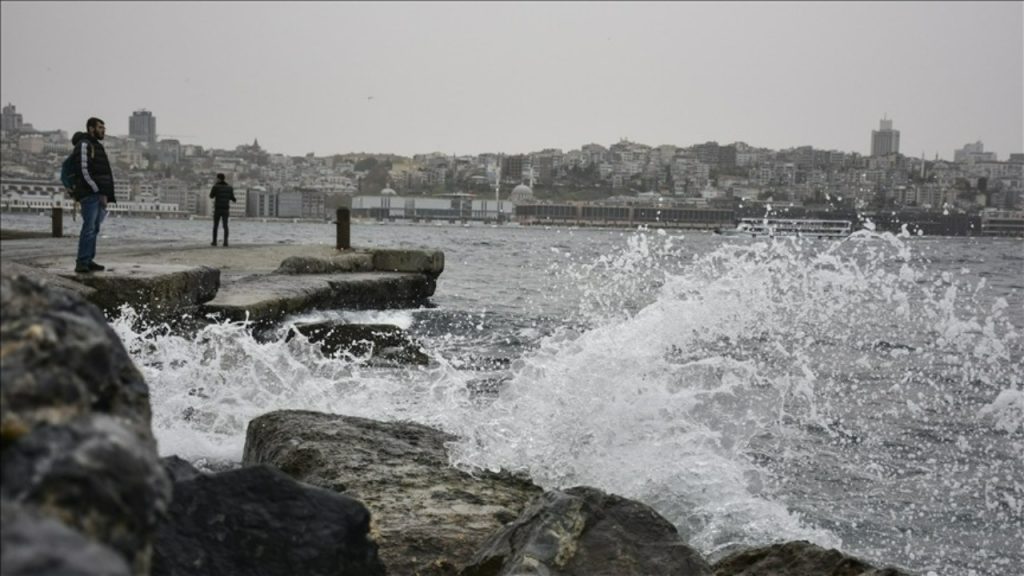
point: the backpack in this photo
(69, 173)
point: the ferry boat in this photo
(801, 227)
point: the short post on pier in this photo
(57, 221)
(344, 229)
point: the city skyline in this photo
(516, 78)
(145, 120)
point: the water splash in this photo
(851, 393)
(204, 390)
(747, 394)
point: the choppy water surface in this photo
(866, 394)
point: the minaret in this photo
(497, 179)
(497, 190)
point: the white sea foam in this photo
(752, 392)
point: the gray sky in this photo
(467, 78)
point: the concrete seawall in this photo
(164, 280)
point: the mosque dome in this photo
(388, 192)
(520, 193)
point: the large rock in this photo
(156, 291)
(269, 298)
(258, 522)
(178, 469)
(379, 341)
(75, 420)
(345, 262)
(586, 532)
(34, 544)
(61, 360)
(95, 474)
(798, 558)
(47, 277)
(427, 516)
(429, 262)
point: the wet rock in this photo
(61, 360)
(584, 531)
(269, 298)
(355, 262)
(46, 277)
(427, 516)
(34, 544)
(429, 262)
(157, 291)
(259, 522)
(97, 475)
(77, 445)
(380, 341)
(178, 469)
(800, 558)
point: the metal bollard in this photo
(344, 229)
(57, 219)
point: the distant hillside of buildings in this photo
(167, 175)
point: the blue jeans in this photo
(92, 216)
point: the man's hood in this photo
(78, 138)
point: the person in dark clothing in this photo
(95, 189)
(222, 193)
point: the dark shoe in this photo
(225, 243)
(214, 243)
(82, 269)
(96, 267)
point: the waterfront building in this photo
(604, 214)
(449, 207)
(313, 202)
(260, 202)
(175, 191)
(1002, 222)
(41, 195)
(29, 188)
(521, 193)
(289, 204)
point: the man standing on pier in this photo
(94, 188)
(222, 193)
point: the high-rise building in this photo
(11, 119)
(885, 140)
(142, 126)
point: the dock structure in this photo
(262, 283)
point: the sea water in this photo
(865, 394)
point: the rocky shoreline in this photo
(84, 491)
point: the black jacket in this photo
(94, 173)
(222, 193)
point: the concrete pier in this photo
(164, 280)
